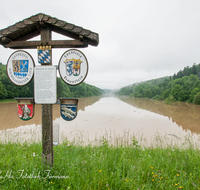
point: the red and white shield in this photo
(25, 108)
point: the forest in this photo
(184, 86)
(8, 90)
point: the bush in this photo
(157, 97)
(197, 99)
(170, 100)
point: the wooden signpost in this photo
(16, 36)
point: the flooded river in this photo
(115, 119)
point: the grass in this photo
(8, 101)
(99, 167)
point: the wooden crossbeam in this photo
(52, 43)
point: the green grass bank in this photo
(99, 167)
(7, 101)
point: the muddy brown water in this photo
(116, 119)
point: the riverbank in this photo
(8, 101)
(99, 167)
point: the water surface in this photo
(117, 119)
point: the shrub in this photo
(170, 100)
(197, 98)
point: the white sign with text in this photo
(45, 85)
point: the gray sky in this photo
(138, 39)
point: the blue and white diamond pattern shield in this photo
(44, 56)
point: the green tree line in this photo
(9, 90)
(183, 86)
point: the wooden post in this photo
(47, 135)
(47, 117)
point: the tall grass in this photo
(33, 133)
(123, 166)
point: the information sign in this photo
(73, 67)
(45, 85)
(20, 66)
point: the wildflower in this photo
(177, 174)
(180, 187)
(127, 180)
(152, 179)
(100, 171)
(152, 173)
(175, 184)
(151, 167)
(161, 177)
(34, 154)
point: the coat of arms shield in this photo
(68, 108)
(25, 108)
(44, 54)
(20, 68)
(73, 67)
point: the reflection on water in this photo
(9, 118)
(118, 119)
(183, 114)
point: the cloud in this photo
(139, 40)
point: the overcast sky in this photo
(139, 40)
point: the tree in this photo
(193, 93)
(193, 78)
(170, 100)
(175, 92)
(148, 93)
(166, 93)
(197, 99)
(3, 91)
(194, 69)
